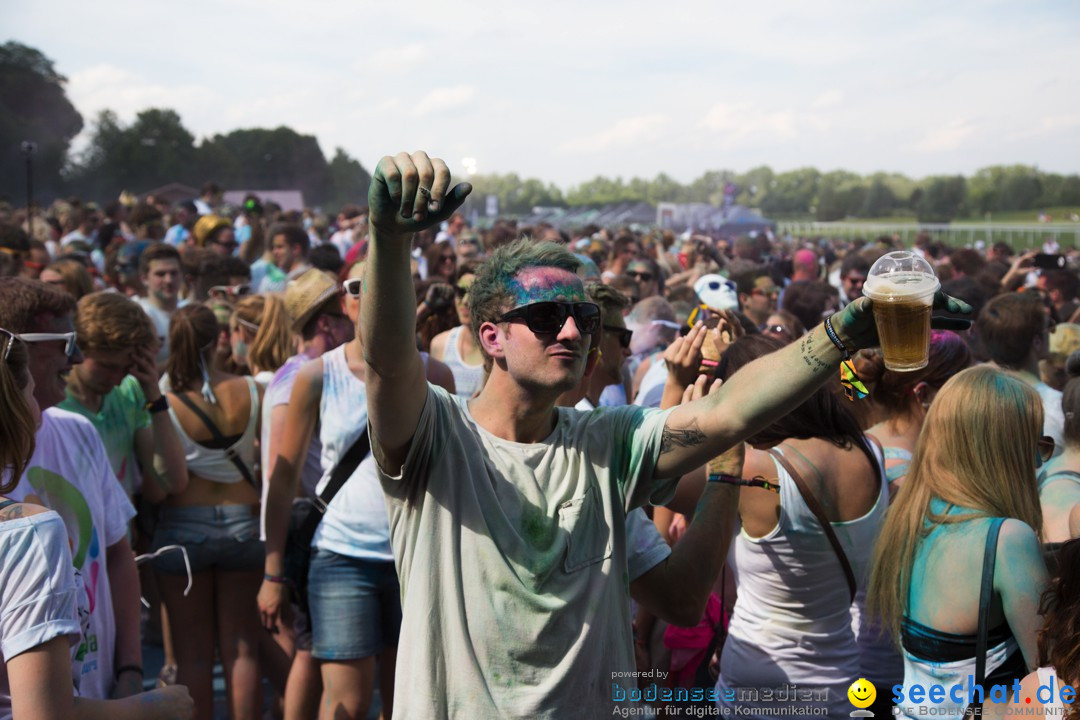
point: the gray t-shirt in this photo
(513, 561)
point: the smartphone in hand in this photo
(1049, 262)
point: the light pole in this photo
(29, 147)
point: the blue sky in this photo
(565, 90)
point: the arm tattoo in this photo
(672, 438)
(12, 512)
(812, 361)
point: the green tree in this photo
(349, 181)
(753, 185)
(879, 200)
(664, 188)
(1069, 191)
(792, 192)
(942, 199)
(261, 159)
(35, 108)
(1019, 191)
(840, 193)
(154, 150)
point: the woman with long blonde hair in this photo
(261, 336)
(970, 503)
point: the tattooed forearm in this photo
(681, 437)
(806, 349)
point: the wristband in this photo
(156, 406)
(836, 339)
(756, 481)
(128, 668)
(280, 579)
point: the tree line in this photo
(153, 150)
(156, 149)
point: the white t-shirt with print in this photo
(39, 595)
(513, 561)
(70, 473)
(161, 319)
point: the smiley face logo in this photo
(862, 693)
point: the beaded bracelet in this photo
(275, 578)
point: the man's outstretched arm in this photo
(408, 194)
(769, 388)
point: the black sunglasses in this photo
(640, 276)
(624, 334)
(461, 292)
(549, 317)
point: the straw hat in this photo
(306, 293)
(206, 226)
(1064, 341)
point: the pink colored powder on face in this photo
(546, 284)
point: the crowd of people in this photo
(512, 471)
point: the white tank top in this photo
(1048, 677)
(355, 524)
(467, 378)
(214, 463)
(792, 622)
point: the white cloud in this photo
(443, 99)
(398, 60)
(733, 124)
(126, 93)
(626, 132)
(945, 138)
(830, 99)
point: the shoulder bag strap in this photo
(986, 594)
(342, 472)
(819, 513)
(218, 437)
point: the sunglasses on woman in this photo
(545, 318)
(624, 334)
(640, 275)
(231, 290)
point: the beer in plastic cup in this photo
(902, 286)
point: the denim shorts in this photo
(355, 606)
(221, 537)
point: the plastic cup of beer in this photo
(902, 285)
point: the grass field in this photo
(1013, 217)
(1020, 229)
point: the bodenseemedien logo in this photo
(862, 694)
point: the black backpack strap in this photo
(342, 472)
(986, 594)
(819, 513)
(218, 437)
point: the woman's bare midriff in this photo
(201, 491)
